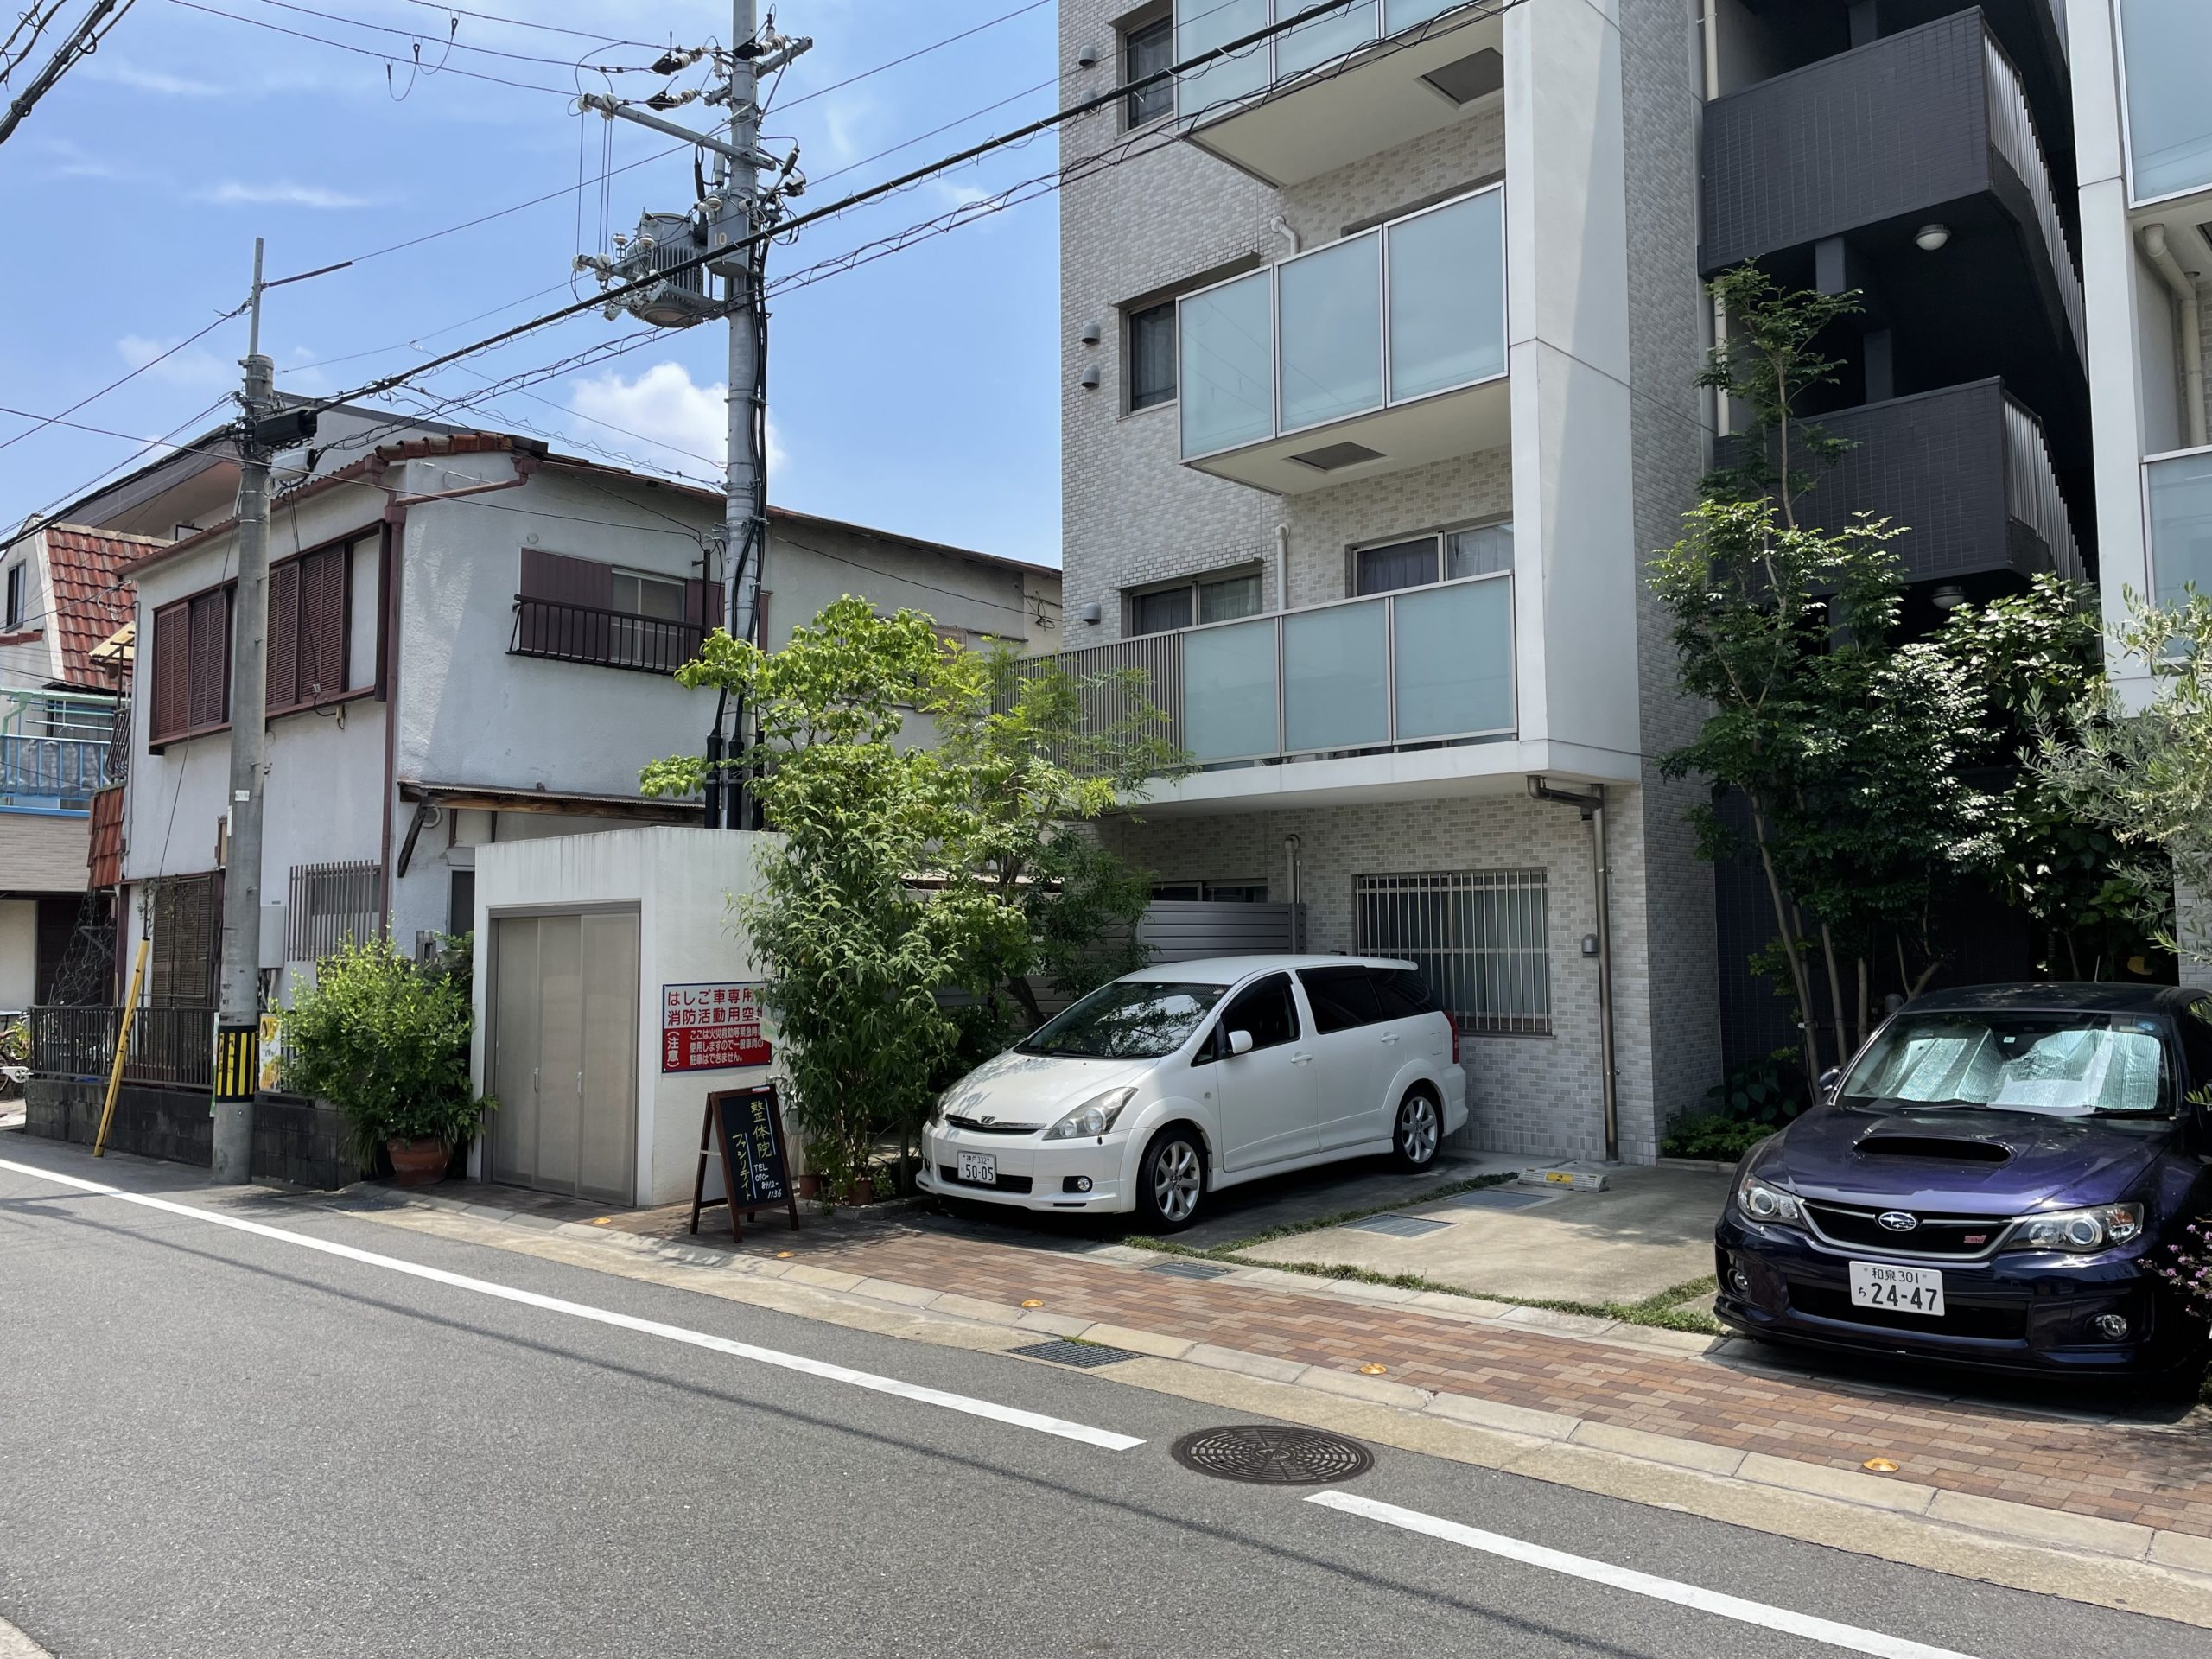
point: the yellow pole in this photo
(122, 1046)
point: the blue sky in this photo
(918, 393)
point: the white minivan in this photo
(1178, 1080)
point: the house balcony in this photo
(1965, 472)
(2177, 508)
(562, 633)
(54, 750)
(1914, 158)
(1376, 352)
(1369, 75)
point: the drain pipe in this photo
(1592, 808)
(1282, 567)
(1291, 849)
(1282, 227)
(2161, 260)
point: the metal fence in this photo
(1481, 938)
(169, 1045)
(329, 904)
(586, 634)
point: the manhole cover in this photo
(1399, 1226)
(1491, 1198)
(1273, 1457)
(1188, 1269)
(1088, 1355)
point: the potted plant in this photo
(385, 1041)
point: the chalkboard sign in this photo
(744, 1125)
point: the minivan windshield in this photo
(1128, 1019)
(2062, 1064)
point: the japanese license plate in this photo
(1902, 1290)
(979, 1168)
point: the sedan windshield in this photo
(2063, 1064)
(1128, 1019)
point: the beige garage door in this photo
(564, 1066)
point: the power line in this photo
(919, 52)
(370, 52)
(80, 44)
(125, 379)
(521, 23)
(456, 44)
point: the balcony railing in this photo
(2177, 507)
(1356, 95)
(55, 745)
(2012, 131)
(586, 634)
(168, 1045)
(1416, 668)
(1355, 358)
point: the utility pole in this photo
(237, 1018)
(82, 40)
(745, 518)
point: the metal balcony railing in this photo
(2031, 493)
(586, 634)
(1201, 25)
(55, 744)
(2013, 132)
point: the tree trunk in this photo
(1801, 983)
(1019, 988)
(1835, 988)
(1866, 993)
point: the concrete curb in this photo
(1543, 1444)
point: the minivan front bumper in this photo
(2028, 1311)
(1032, 1174)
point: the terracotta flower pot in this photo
(809, 1185)
(861, 1191)
(418, 1163)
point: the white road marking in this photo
(14, 1645)
(1010, 1414)
(1826, 1631)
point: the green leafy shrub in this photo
(386, 1042)
(1742, 1109)
(1707, 1136)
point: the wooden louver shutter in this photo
(284, 635)
(211, 659)
(322, 625)
(556, 577)
(172, 678)
(702, 603)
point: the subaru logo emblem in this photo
(1897, 1221)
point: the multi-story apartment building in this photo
(2145, 128)
(1381, 343)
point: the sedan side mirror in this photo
(1831, 1080)
(1240, 1042)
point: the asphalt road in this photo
(216, 1442)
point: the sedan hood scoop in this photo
(1938, 1148)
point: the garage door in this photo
(564, 1066)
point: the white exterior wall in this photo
(18, 953)
(33, 661)
(682, 883)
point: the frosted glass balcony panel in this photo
(1454, 661)
(2181, 525)
(2167, 46)
(1230, 697)
(1204, 24)
(1227, 388)
(1336, 678)
(1447, 296)
(1330, 322)
(1310, 44)
(1404, 14)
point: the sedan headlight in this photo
(1094, 1117)
(1763, 1203)
(2077, 1230)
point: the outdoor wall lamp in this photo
(1948, 597)
(1929, 238)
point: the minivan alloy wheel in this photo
(1421, 1130)
(1176, 1180)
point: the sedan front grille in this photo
(990, 1126)
(1961, 1237)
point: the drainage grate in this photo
(1087, 1355)
(1492, 1198)
(1399, 1226)
(1266, 1456)
(1188, 1269)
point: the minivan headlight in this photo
(1763, 1203)
(2077, 1230)
(1095, 1117)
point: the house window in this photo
(1419, 561)
(1222, 598)
(1152, 356)
(15, 612)
(1147, 48)
(585, 611)
(1480, 939)
(192, 666)
(184, 915)
(308, 628)
(331, 905)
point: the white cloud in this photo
(663, 418)
(195, 368)
(116, 72)
(73, 160)
(278, 192)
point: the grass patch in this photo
(1341, 1217)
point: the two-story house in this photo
(471, 639)
(1381, 343)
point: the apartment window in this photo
(14, 611)
(1219, 893)
(192, 666)
(309, 628)
(1480, 939)
(1152, 356)
(330, 905)
(1446, 556)
(1147, 48)
(1220, 597)
(2166, 44)
(586, 611)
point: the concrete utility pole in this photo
(238, 1018)
(745, 525)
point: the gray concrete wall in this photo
(297, 1141)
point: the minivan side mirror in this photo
(1831, 1080)
(1240, 1042)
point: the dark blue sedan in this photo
(1990, 1183)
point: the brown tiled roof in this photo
(91, 599)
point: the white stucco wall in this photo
(682, 883)
(18, 953)
(33, 661)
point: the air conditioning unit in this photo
(679, 298)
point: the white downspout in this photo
(1296, 871)
(1282, 567)
(1711, 32)
(2192, 326)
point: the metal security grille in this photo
(1480, 939)
(330, 904)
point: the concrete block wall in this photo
(300, 1143)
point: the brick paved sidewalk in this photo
(2149, 1473)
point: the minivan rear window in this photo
(1342, 998)
(1404, 992)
